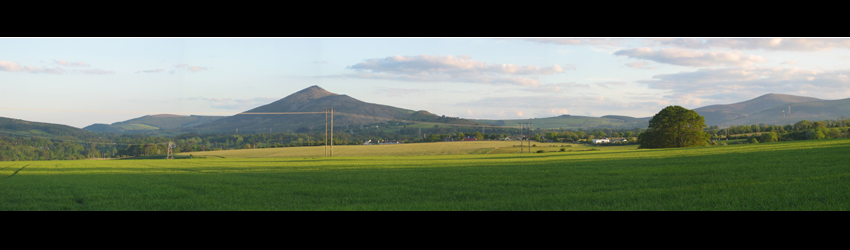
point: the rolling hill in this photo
(16, 127)
(350, 111)
(737, 113)
(347, 111)
(151, 123)
(812, 111)
(574, 122)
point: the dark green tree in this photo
(674, 127)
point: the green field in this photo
(796, 175)
(406, 149)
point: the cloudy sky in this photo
(81, 81)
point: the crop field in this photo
(796, 175)
(405, 149)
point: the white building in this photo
(596, 141)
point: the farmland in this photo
(797, 175)
(408, 149)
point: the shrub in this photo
(563, 150)
(539, 151)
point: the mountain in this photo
(347, 111)
(151, 123)
(574, 122)
(735, 114)
(812, 111)
(16, 127)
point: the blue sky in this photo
(82, 81)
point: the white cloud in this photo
(555, 87)
(727, 85)
(579, 41)
(71, 64)
(559, 111)
(97, 71)
(639, 65)
(789, 62)
(789, 44)
(692, 58)
(196, 68)
(10, 66)
(14, 67)
(192, 69)
(151, 71)
(425, 68)
(609, 85)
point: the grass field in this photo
(796, 175)
(407, 149)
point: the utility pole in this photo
(170, 153)
(332, 132)
(326, 132)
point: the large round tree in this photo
(674, 127)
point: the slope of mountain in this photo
(153, 122)
(347, 111)
(16, 127)
(812, 111)
(728, 114)
(573, 122)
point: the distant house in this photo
(389, 142)
(609, 140)
(597, 141)
(470, 138)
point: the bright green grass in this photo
(797, 175)
(406, 149)
(136, 126)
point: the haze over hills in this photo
(350, 111)
(152, 123)
(812, 111)
(347, 111)
(16, 127)
(736, 113)
(573, 122)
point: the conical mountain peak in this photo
(312, 92)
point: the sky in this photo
(83, 81)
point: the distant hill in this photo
(574, 122)
(425, 116)
(152, 123)
(16, 127)
(347, 111)
(812, 111)
(735, 114)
